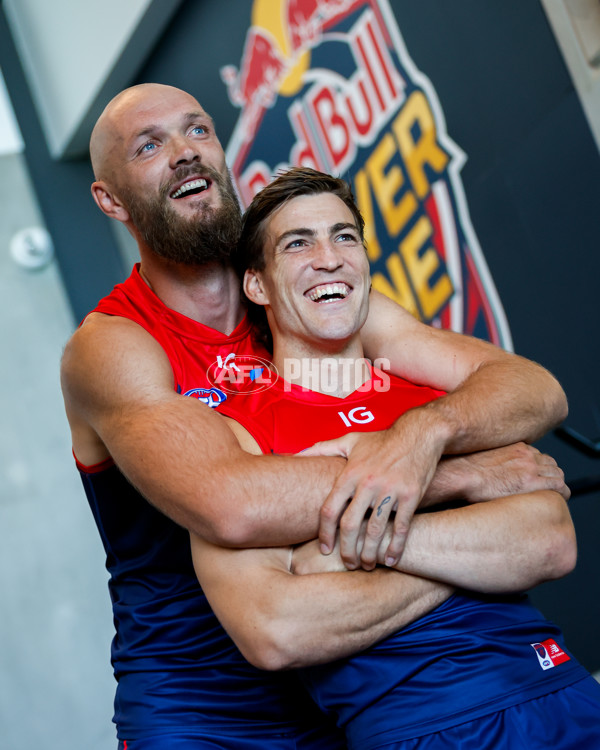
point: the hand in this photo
(386, 471)
(308, 558)
(499, 472)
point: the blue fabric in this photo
(568, 719)
(176, 668)
(310, 740)
(471, 656)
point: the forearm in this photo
(504, 545)
(211, 486)
(317, 618)
(499, 472)
(484, 413)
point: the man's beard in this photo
(208, 237)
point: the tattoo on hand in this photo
(385, 501)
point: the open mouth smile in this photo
(193, 187)
(329, 292)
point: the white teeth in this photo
(328, 290)
(194, 185)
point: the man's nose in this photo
(327, 256)
(183, 151)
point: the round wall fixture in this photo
(32, 247)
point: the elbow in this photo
(562, 406)
(232, 530)
(558, 406)
(271, 648)
(563, 554)
(560, 542)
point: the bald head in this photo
(115, 124)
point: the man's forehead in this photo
(310, 211)
(148, 114)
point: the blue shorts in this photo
(308, 740)
(568, 719)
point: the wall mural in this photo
(330, 84)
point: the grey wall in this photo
(56, 684)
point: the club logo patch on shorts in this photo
(549, 653)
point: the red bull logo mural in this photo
(329, 84)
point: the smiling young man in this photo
(482, 668)
(155, 460)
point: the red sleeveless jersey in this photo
(203, 359)
(286, 418)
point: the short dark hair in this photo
(288, 185)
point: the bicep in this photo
(419, 352)
(118, 387)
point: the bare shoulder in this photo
(107, 349)
(108, 364)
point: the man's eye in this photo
(148, 147)
(295, 245)
(346, 237)
(199, 130)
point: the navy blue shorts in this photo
(309, 740)
(568, 719)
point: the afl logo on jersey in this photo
(242, 373)
(212, 397)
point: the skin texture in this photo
(118, 386)
(288, 607)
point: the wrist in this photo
(431, 431)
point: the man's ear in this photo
(108, 203)
(254, 287)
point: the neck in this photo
(207, 294)
(333, 370)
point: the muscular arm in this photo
(494, 398)
(500, 546)
(289, 608)
(118, 389)
(279, 620)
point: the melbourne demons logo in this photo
(212, 397)
(329, 84)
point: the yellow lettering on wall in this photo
(365, 204)
(399, 289)
(387, 185)
(422, 262)
(416, 115)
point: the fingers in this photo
(331, 512)
(553, 474)
(356, 550)
(337, 447)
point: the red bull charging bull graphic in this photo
(329, 84)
